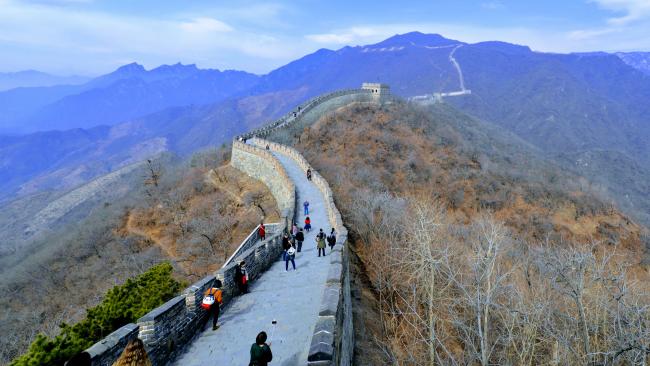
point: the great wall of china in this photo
(169, 330)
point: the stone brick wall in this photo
(303, 110)
(106, 351)
(167, 329)
(332, 342)
(263, 166)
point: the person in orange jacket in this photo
(218, 300)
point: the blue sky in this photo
(91, 37)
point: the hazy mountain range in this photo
(576, 108)
(32, 78)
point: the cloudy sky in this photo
(91, 37)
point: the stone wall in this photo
(167, 329)
(311, 108)
(332, 342)
(263, 166)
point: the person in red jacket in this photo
(307, 224)
(262, 231)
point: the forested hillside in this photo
(191, 213)
(472, 248)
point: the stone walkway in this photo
(292, 298)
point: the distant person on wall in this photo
(291, 256)
(294, 229)
(285, 246)
(241, 277)
(260, 351)
(306, 206)
(331, 240)
(262, 231)
(307, 224)
(308, 174)
(320, 242)
(300, 237)
(212, 300)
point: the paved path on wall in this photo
(292, 298)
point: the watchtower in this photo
(380, 92)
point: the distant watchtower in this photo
(380, 92)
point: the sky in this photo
(92, 37)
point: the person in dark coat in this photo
(331, 240)
(241, 278)
(260, 351)
(285, 246)
(300, 237)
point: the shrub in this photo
(122, 304)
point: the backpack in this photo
(207, 302)
(291, 252)
(331, 240)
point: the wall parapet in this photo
(166, 329)
(300, 111)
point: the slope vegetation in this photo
(471, 247)
(191, 214)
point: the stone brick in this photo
(334, 274)
(330, 300)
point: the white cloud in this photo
(492, 5)
(205, 25)
(633, 10)
(101, 41)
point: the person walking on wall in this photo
(300, 237)
(241, 277)
(294, 229)
(307, 224)
(285, 246)
(320, 240)
(291, 256)
(331, 240)
(260, 351)
(306, 206)
(262, 231)
(217, 295)
(309, 174)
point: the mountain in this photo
(62, 160)
(128, 92)
(32, 78)
(567, 105)
(638, 60)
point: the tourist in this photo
(331, 240)
(307, 224)
(262, 231)
(294, 229)
(306, 206)
(291, 256)
(320, 240)
(300, 237)
(308, 173)
(214, 295)
(260, 351)
(241, 278)
(285, 246)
